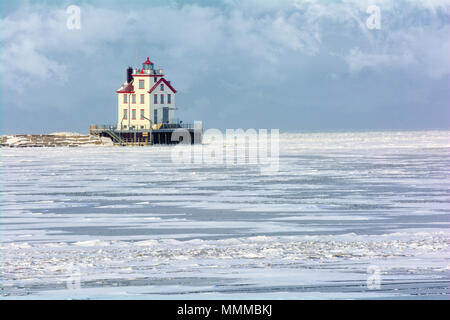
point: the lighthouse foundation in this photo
(162, 135)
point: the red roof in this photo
(148, 61)
(166, 82)
(126, 88)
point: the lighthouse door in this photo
(165, 115)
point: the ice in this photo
(131, 224)
(92, 243)
(146, 243)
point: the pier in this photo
(158, 134)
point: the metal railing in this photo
(116, 137)
(106, 127)
(177, 126)
(102, 127)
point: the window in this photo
(165, 115)
(161, 87)
(133, 114)
(155, 115)
(142, 98)
(125, 114)
(142, 114)
(133, 98)
(162, 98)
(155, 79)
(141, 84)
(155, 99)
(169, 99)
(125, 100)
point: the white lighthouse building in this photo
(146, 100)
(146, 112)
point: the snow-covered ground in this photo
(348, 215)
(56, 139)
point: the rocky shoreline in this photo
(53, 140)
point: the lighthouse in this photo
(146, 99)
(146, 111)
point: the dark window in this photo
(125, 113)
(155, 99)
(169, 99)
(162, 98)
(165, 115)
(141, 84)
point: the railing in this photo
(94, 127)
(177, 126)
(102, 127)
(116, 137)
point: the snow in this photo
(128, 223)
(71, 134)
(57, 139)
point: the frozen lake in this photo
(348, 215)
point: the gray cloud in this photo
(237, 63)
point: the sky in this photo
(291, 65)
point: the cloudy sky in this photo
(294, 65)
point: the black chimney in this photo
(129, 74)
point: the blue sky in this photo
(293, 65)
